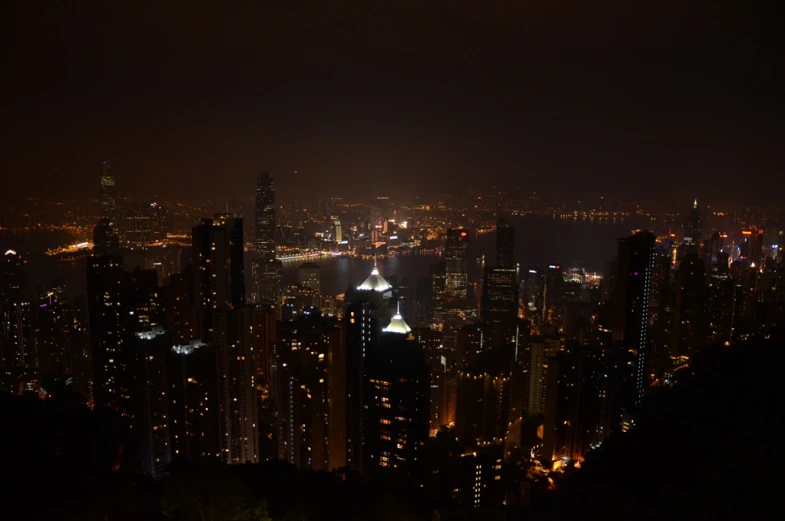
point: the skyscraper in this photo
(224, 321)
(108, 197)
(264, 224)
(456, 264)
(310, 276)
(395, 402)
(18, 356)
(505, 244)
(693, 227)
(635, 263)
(266, 271)
(219, 281)
(499, 295)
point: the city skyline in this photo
(422, 261)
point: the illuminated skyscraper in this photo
(264, 224)
(693, 227)
(505, 244)
(108, 196)
(395, 402)
(266, 271)
(500, 294)
(456, 264)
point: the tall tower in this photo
(635, 263)
(456, 267)
(108, 197)
(693, 226)
(505, 244)
(224, 321)
(264, 224)
(267, 272)
(395, 402)
(18, 355)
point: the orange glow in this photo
(746, 232)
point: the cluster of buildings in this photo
(522, 365)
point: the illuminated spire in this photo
(695, 204)
(375, 282)
(398, 324)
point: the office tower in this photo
(456, 265)
(17, 351)
(687, 325)
(268, 283)
(366, 310)
(264, 224)
(105, 240)
(499, 295)
(218, 270)
(375, 218)
(541, 349)
(505, 244)
(635, 262)
(531, 288)
(311, 396)
(693, 226)
(108, 197)
(395, 403)
(438, 290)
(142, 223)
(311, 276)
(337, 232)
(267, 272)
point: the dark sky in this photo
(194, 98)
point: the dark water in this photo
(538, 240)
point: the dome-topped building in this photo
(375, 282)
(398, 324)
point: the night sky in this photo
(674, 97)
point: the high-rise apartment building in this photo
(18, 355)
(635, 263)
(224, 321)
